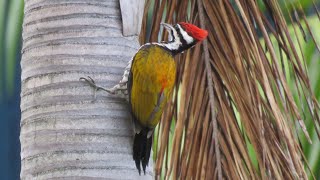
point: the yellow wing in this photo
(151, 82)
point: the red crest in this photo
(194, 31)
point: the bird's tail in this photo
(141, 149)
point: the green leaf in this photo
(12, 40)
(3, 5)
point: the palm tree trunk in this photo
(65, 133)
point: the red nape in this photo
(194, 31)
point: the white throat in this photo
(175, 45)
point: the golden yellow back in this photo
(152, 73)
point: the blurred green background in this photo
(11, 15)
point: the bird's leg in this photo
(118, 89)
(91, 82)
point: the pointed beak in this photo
(168, 27)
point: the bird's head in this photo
(183, 36)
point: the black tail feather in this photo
(141, 150)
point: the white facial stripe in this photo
(176, 43)
(185, 35)
(176, 36)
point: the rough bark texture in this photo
(65, 133)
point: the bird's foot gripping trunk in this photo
(141, 149)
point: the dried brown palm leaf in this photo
(232, 93)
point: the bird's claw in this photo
(92, 83)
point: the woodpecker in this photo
(148, 82)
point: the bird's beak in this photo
(170, 29)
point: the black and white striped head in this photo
(183, 36)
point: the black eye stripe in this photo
(172, 34)
(183, 41)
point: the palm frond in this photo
(234, 112)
